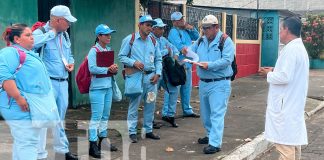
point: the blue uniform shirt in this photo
(98, 83)
(143, 51)
(217, 67)
(164, 44)
(56, 47)
(31, 78)
(181, 38)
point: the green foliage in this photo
(313, 35)
(144, 3)
(189, 2)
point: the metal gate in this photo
(163, 10)
(195, 15)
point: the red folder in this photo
(105, 59)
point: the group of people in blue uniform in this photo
(142, 52)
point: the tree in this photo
(313, 35)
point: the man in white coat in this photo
(288, 84)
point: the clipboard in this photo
(105, 59)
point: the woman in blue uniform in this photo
(21, 72)
(100, 92)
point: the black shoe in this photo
(203, 140)
(170, 120)
(193, 115)
(156, 125)
(152, 136)
(66, 156)
(133, 138)
(94, 150)
(105, 145)
(211, 149)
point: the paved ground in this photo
(244, 121)
(315, 149)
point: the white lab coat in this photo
(288, 85)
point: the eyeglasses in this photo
(105, 35)
(205, 28)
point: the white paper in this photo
(193, 62)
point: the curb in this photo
(312, 112)
(258, 145)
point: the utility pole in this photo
(257, 16)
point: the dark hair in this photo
(12, 31)
(97, 40)
(293, 24)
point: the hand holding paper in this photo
(192, 55)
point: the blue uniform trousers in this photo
(61, 143)
(185, 93)
(25, 137)
(170, 99)
(214, 98)
(132, 117)
(100, 111)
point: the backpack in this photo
(131, 42)
(173, 71)
(83, 76)
(221, 47)
(22, 58)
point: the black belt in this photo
(148, 72)
(215, 79)
(59, 79)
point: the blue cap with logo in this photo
(159, 23)
(63, 11)
(103, 29)
(146, 18)
(175, 16)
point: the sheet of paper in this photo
(192, 62)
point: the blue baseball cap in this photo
(159, 23)
(63, 11)
(175, 16)
(146, 18)
(103, 29)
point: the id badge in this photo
(65, 62)
(152, 58)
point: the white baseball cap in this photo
(63, 11)
(175, 16)
(159, 23)
(147, 18)
(209, 20)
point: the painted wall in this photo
(17, 11)
(294, 5)
(117, 14)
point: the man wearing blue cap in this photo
(181, 35)
(140, 54)
(58, 59)
(170, 91)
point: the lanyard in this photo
(60, 46)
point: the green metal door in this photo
(117, 14)
(17, 11)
